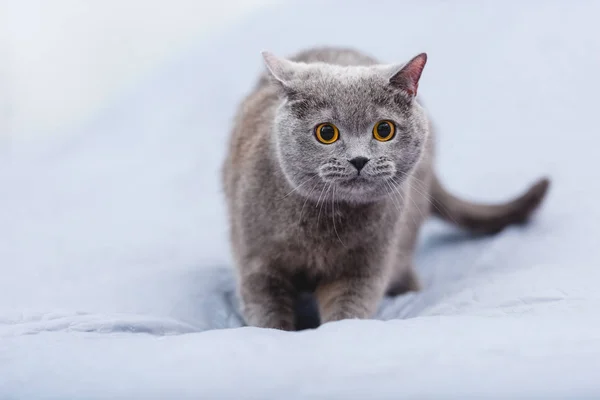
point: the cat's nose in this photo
(359, 162)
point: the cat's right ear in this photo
(407, 78)
(281, 70)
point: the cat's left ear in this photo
(281, 69)
(407, 78)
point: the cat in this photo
(328, 179)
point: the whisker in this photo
(395, 188)
(391, 195)
(415, 187)
(324, 200)
(305, 201)
(411, 199)
(333, 216)
(322, 191)
(428, 197)
(416, 180)
(300, 185)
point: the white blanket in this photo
(115, 277)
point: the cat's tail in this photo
(486, 218)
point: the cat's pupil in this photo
(327, 132)
(384, 129)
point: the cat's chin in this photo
(360, 190)
(357, 190)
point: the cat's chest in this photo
(328, 219)
(324, 235)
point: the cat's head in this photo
(351, 132)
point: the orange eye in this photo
(327, 133)
(384, 130)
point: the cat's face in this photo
(347, 133)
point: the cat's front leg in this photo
(268, 300)
(404, 280)
(350, 297)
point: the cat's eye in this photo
(327, 133)
(384, 130)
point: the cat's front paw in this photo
(260, 317)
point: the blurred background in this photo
(63, 60)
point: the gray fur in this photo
(303, 219)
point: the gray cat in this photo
(328, 179)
